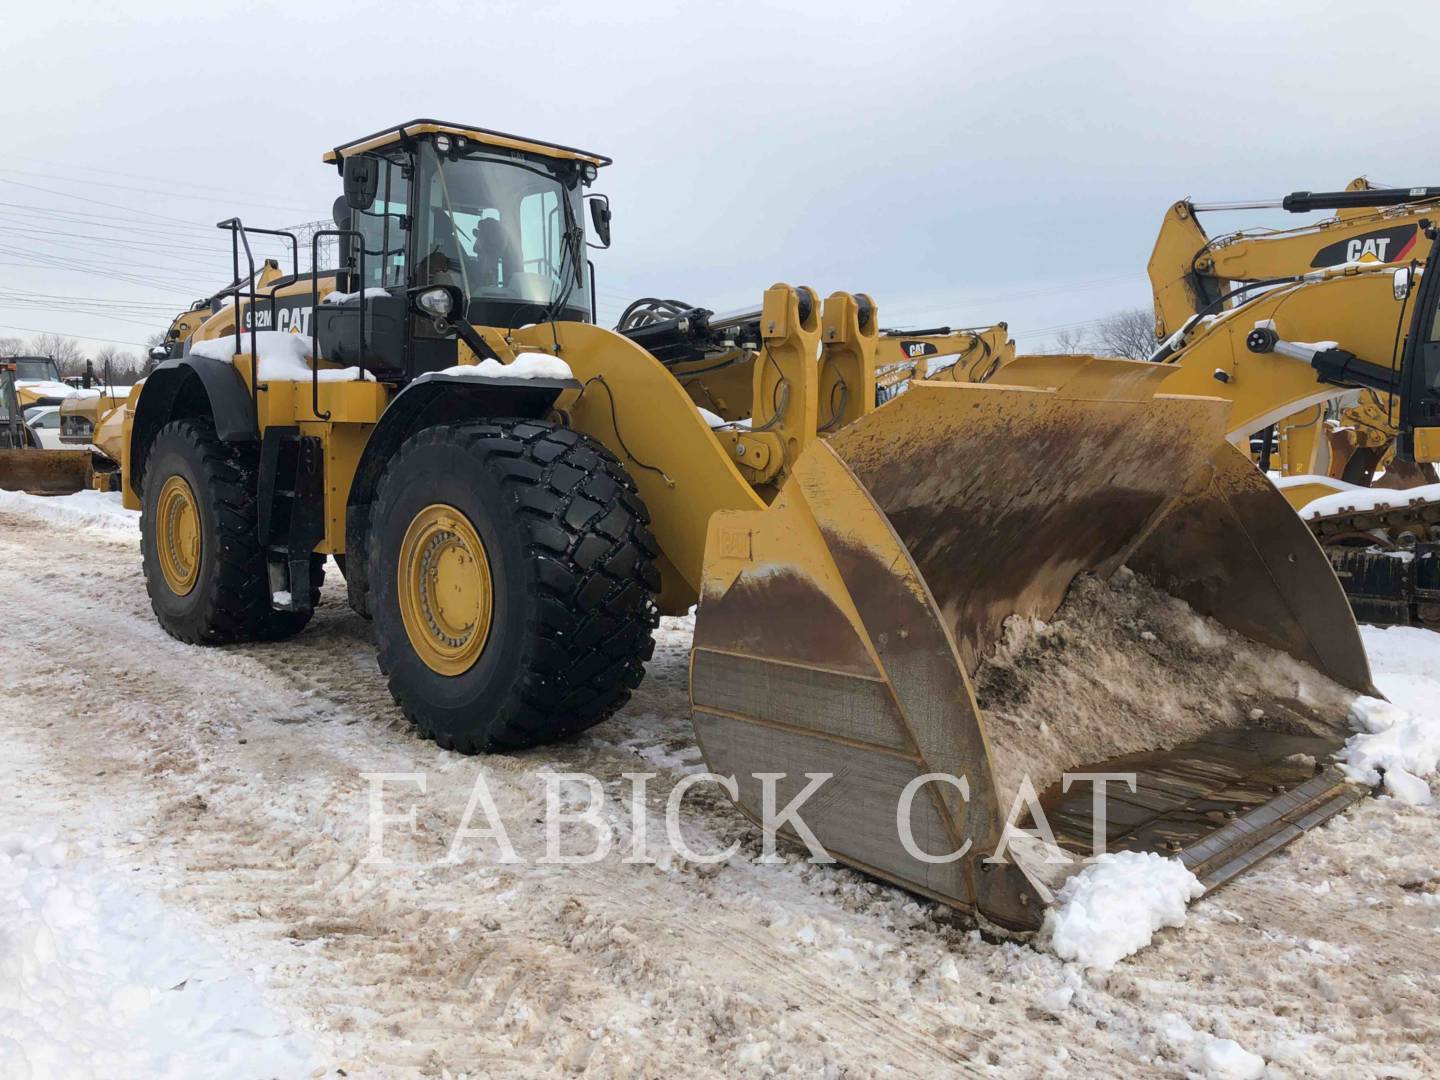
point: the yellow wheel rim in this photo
(178, 535)
(445, 589)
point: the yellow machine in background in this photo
(970, 355)
(517, 494)
(704, 351)
(1193, 274)
(94, 418)
(1361, 328)
(25, 382)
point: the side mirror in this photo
(362, 181)
(600, 217)
(1402, 283)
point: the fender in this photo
(431, 400)
(191, 386)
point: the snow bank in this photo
(284, 357)
(98, 511)
(97, 981)
(1400, 736)
(1113, 907)
(1361, 499)
(524, 366)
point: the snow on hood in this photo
(284, 357)
(45, 387)
(524, 366)
(1113, 907)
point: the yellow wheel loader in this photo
(517, 494)
(25, 382)
(92, 417)
(1193, 273)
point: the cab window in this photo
(383, 227)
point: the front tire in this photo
(513, 575)
(204, 567)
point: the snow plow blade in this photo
(45, 472)
(840, 632)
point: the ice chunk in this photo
(1225, 1059)
(1113, 907)
(1402, 745)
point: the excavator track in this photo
(1387, 557)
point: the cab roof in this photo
(391, 135)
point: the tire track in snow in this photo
(419, 969)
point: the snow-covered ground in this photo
(184, 838)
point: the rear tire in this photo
(216, 590)
(565, 617)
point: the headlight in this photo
(442, 143)
(436, 302)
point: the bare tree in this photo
(148, 364)
(1069, 340)
(66, 352)
(1129, 333)
(11, 346)
(123, 367)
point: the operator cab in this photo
(35, 369)
(443, 223)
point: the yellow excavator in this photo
(517, 494)
(1193, 273)
(1361, 326)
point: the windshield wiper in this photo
(574, 240)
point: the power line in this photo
(107, 171)
(149, 191)
(82, 337)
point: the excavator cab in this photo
(1419, 439)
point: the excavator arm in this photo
(1192, 272)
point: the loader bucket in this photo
(45, 472)
(863, 626)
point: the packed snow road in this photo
(220, 801)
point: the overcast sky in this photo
(963, 164)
